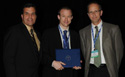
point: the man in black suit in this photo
(53, 39)
(22, 47)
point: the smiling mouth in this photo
(30, 20)
(94, 18)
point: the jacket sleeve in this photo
(10, 46)
(82, 42)
(118, 45)
(46, 58)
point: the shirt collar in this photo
(28, 28)
(99, 25)
(63, 29)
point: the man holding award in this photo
(61, 51)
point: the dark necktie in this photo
(97, 60)
(33, 39)
(65, 41)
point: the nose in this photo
(66, 19)
(30, 16)
(94, 12)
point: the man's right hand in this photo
(58, 65)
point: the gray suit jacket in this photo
(112, 47)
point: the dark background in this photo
(47, 17)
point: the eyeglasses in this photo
(95, 12)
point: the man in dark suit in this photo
(102, 48)
(22, 46)
(52, 40)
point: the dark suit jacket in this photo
(21, 58)
(52, 41)
(112, 47)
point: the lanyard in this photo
(63, 35)
(94, 40)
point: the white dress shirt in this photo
(100, 36)
(67, 36)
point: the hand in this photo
(58, 65)
(80, 61)
(77, 67)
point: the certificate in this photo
(71, 57)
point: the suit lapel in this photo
(89, 41)
(104, 36)
(28, 38)
(71, 39)
(58, 38)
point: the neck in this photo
(96, 23)
(64, 27)
(30, 26)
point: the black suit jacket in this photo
(52, 41)
(21, 58)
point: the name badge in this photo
(94, 54)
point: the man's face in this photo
(65, 17)
(29, 16)
(94, 13)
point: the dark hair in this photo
(27, 5)
(65, 7)
(94, 2)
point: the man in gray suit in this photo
(101, 45)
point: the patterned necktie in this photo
(97, 60)
(65, 41)
(33, 39)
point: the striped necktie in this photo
(65, 41)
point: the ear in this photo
(72, 17)
(101, 12)
(22, 16)
(88, 14)
(58, 16)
